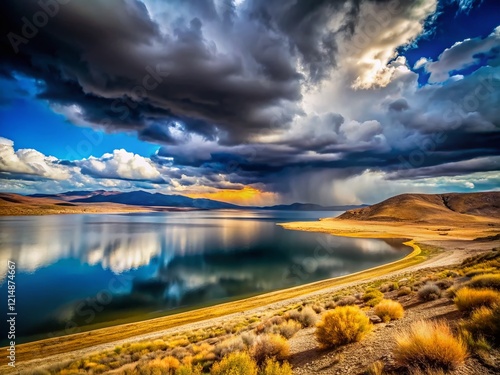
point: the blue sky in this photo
(270, 109)
(453, 24)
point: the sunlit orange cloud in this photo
(248, 196)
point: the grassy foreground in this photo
(53, 346)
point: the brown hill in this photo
(14, 204)
(430, 208)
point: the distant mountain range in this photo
(143, 198)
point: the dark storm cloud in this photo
(399, 105)
(221, 73)
(113, 61)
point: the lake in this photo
(76, 272)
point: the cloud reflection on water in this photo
(171, 259)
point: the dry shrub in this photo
(372, 297)
(347, 301)
(230, 345)
(318, 309)
(342, 325)
(308, 317)
(293, 314)
(429, 345)
(237, 363)
(39, 371)
(167, 366)
(270, 346)
(180, 352)
(429, 292)
(372, 294)
(444, 283)
(272, 367)
(477, 344)
(330, 305)
(388, 310)
(288, 328)
(404, 291)
(468, 299)
(451, 292)
(248, 338)
(189, 370)
(376, 368)
(427, 371)
(485, 322)
(491, 281)
(276, 320)
(479, 271)
(389, 287)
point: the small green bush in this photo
(342, 325)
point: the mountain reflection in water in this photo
(88, 269)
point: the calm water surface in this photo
(78, 271)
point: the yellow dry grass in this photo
(341, 326)
(388, 310)
(429, 345)
(468, 299)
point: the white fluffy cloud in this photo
(383, 27)
(461, 55)
(30, 171)
(121, 165)
(29, 162)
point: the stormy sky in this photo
(251, 101)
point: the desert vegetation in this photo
(341, 326)
(388, 310)
(468, 299)
(430, 346)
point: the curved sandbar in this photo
(466, 230)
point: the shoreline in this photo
(466, 230)
(89, 340)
